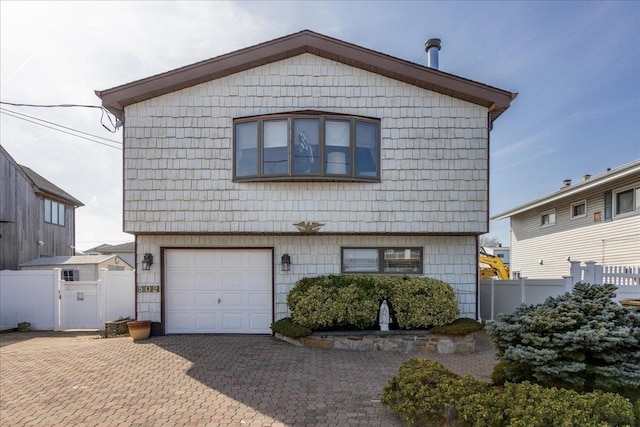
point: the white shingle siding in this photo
(178, 160)
(452, 259)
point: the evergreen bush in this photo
(353, 301)
(289, 329)
(581, 340)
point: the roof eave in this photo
(117, 98)
(602, 179)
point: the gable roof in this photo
(40, 184)
(105, 247)
(573, 190)
(497, 100)
(70, 260)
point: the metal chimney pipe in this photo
(432, 46)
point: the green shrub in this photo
(352, 302)
(461, 326)
(583, 341)
(531, 405)
(289, 329)
(422, 387)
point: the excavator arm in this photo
(495, 266)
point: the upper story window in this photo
(306, 146)
(53, 212)
(548, 218)
(627, 200)
(579, 209)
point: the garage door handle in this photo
(218, 300)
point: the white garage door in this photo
(218, 291)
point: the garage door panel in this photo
(257, 323)
(206, 322)
(196, 279)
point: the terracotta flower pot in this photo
(139, 329)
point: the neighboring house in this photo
(126, 251)
(297, 157)
(501, 252)
(37, 218)
(597, 219)
(79, 268)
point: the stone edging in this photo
(405, 343)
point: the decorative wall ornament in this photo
(308, 227)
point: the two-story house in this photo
(37, 218)
(596, 219)
(300, 156)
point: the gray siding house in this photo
(37, 218)
(597, 219)
(297, 157)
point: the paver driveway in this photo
(69, 379)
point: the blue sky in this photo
(575, 65)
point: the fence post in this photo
(568, 283)
(522, 290)
(101, 295)
(57, 298)
(590, 272)
(492, 297)
(575, 271)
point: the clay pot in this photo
(139, 329)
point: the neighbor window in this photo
(382, 260)
(579, 210)
(627, 201)
(70, 275)
(307, 146)
(53, 212)
(548, 218)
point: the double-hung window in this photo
(548, 218)
(306, 145)
(627, 200)
(579, 209)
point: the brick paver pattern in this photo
(78, 379)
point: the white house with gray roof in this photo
(301, 156)
(596, 219)
(79, 267)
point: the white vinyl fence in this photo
(504, 296)
(47, 302)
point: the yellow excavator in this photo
(496, 267)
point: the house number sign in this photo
(147, 288)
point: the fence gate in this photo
(79, 305)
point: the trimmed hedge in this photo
(289, 329)
(352, 302)
(421, 389)
(462, 326)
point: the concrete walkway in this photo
(72, 379)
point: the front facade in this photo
(597, 219)
(304, 149)
(79, 267)
(37, 218)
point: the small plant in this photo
(124, 319)
(290, 329)
(461, 326)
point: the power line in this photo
(115, 125)
(64, 127)
(59, 130)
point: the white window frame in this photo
(545, 213)
(635, 191)
(573, 205)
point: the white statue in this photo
(385, 319)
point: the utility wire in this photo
(59, 130)
(64, 127)
(104, 111)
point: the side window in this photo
(70, 275)
(548, 218)
(367, 149)
(246, 149)
(382, 260)
(579, 209)
(337, 153)
(608, 205)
